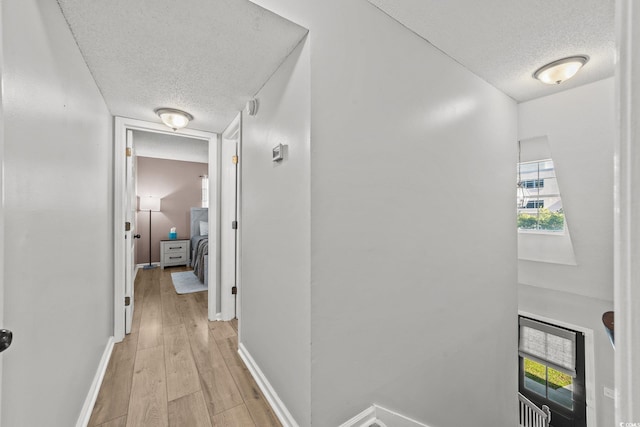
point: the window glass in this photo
(560, 388)
(549, 383)
(538, 199)
(535, 377)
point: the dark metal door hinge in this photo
(234, 225)
(127, 226)
(127, 301)
(234, 290)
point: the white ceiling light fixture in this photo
(175, 119)
(558, 71)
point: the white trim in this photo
(626, 208)
(364, 418)
(589, 362)
(121, 125)
(2, 193)
(383, 417)
(239, 231)
(270, 394)
(90, 401)
(214, 232)
(391, 418)
(231, 135)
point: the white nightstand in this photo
(174, 252)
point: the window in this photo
(534, 204)
(538, 199)
(533, 183)
(552, 370)
(205, 190)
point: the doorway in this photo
(123, 254)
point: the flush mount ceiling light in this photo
(558, 71)
(175, 119)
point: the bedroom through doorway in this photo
(166, 178)
(174, 171)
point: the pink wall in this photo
(179, 185)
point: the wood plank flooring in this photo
(177, 369)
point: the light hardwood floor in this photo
(176, 368)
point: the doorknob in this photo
(136, 236)
(6, 336)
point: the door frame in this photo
(626, 237)
(231, 133)
(1, 199)
(589, 362)
(240, 119)
(130, 205)
(121, 125)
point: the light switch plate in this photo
(277, 153)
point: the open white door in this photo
(229, 219)
(130, 211)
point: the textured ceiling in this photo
(505, 41)
(206, 57)
(165, 146)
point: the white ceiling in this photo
(505, 41)
(206, 57)
(170, 147)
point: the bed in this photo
(200, 243)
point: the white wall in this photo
(275, 229)
(579, 124)
(408, 291)
(58, 206)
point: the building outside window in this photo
(539, 204)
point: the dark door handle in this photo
(136, 236)
(6, 337)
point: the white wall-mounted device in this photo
(277, 154)
(252, 107)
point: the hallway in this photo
(176, 368)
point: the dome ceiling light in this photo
(558, 71)
(175, 119)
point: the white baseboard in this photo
(270, 394)
(90, 401)
(135, 273)
(395, 419)
(363, 419)
(382, 417)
